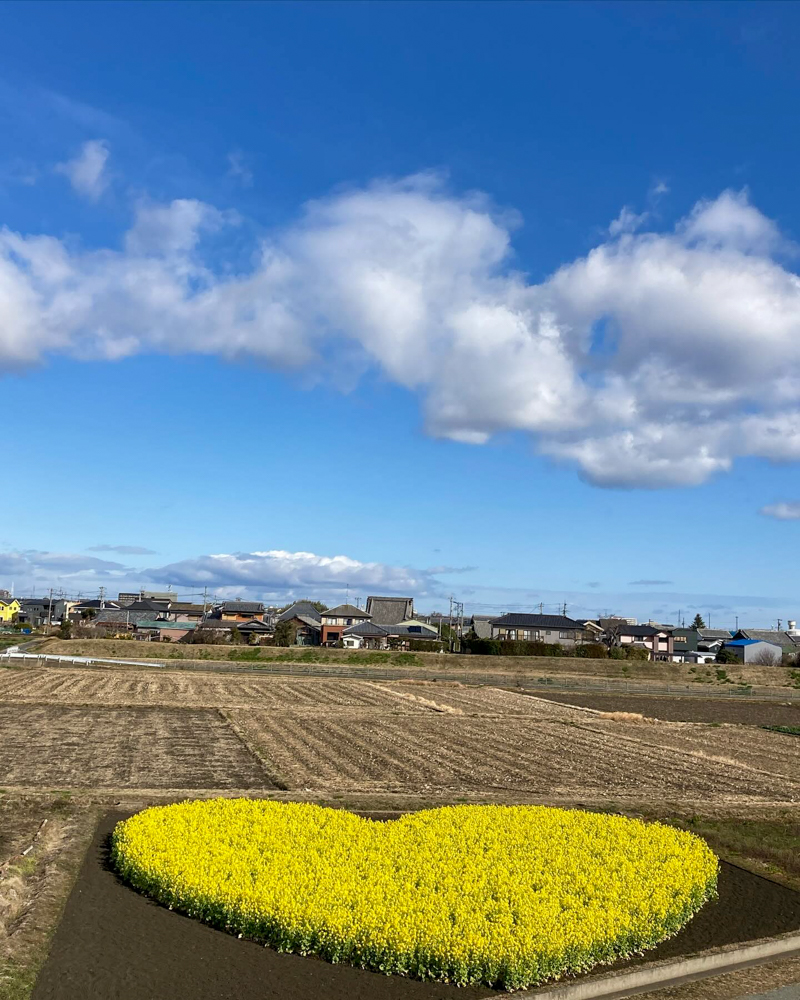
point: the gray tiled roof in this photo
(419, 631)
(111, 617)
(243, 607)
(482, 627)
(770, 635)
(390, 610)
(366, 628)
(345, 611)
(714, 633)
(537, 621)
(305, 608)
(308, 620)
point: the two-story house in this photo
(538, 628)
(9, 609)
(656, 641)
(335, 620)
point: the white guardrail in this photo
(12, 654)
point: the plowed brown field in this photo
(149, 729)
(59, 746)
(550, 759)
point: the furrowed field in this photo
(80, 741)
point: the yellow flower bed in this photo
(507, 896)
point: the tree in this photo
(285, 633)
(727, 656)
(698, 621)
(65, 629)
(236, 636)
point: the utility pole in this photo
(50, 610)
(450, 625)
(102, 598)
(779, 624)
(541, 607)
(205, 602)
(564, 609)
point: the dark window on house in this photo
(414, 628)
(564, 635)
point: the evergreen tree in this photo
(698, 621)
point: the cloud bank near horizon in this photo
(656, 360)
(277, 576)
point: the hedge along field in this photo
(529, 666)
(506, 896)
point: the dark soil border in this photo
(114, 943)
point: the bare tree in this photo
(767, 658)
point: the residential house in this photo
(33, 611)
(181, 611)
(163, 631)
(305, 608)
(335, 620)
(9, 609)
(238, 611)
(656, 641)
(307, 621)
(592, 629)
(365, 635)
(692, 645)
(158, 608)
(538, 628)
(755, 651)
(369, 635)
(85, 610)
(111, 620)
(481, 625)
(789, 641)
(390, 610)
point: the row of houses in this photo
(389, 622)
(673, 643)
(385, 622)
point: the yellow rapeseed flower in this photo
(507, 896)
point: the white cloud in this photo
(627, 222)
(655, 360)
(786, 511)
(277, 571)
(87, 171)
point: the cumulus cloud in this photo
(655, 360)
(87, 171)
(123, 550)
(785, 511)
(280, 571)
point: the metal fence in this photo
(527, 682)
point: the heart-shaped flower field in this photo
(503, 895)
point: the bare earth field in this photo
(53, 746)
(75, 742)
(546, 758)
(744, 711)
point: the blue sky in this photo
(497, 300)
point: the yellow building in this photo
(9, 609)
